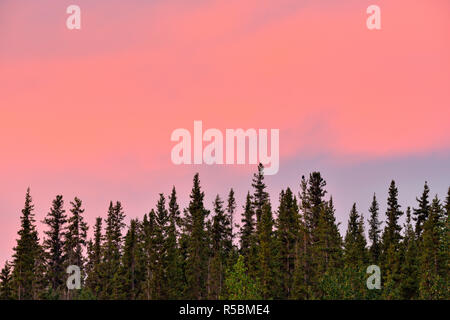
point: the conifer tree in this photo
(160, 242)
(130, 271)
(54, 244)
(248, 236)
(315, 197)
(266, 254)
(175, 279)
(354, 242)
(260, 195)
(329, 239)
(298, 255)
(447, 202)
(93, 267)
(409, 285)
(6, 290)
(112, 250)
(75, 237)
(231, 249)
(303, 261)
(197, 243)
(392, 255)
(328, 248)
(313, 205)
(27, 254)
(149, 252)
(432, 269)
(421, 213)
(287, 227)
(220, 249)
(355, 253)
(374, 231)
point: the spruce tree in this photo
(313, 206)
(76, 235)
(112, 250)
(315, 198)
(447, 202)
(130, 273)
(75, 238)
(355, 242)
(6, 290)
(267, 258)
(410, 267)
(327, 250)
(248, 236)
(54, 244)
(160, 242)
(175, 279)
(330, 239)
(27, 254)
(287, 227)
(220, 249)
(355, 253)
(197, 243)
(421, 213)
(433, 272)
(93, 267)
(301, 288)
(260, 195)
(391, 254)
(149, 251)
(231, 249)
(374, 231)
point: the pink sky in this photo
(90, 112)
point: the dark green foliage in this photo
(111, 251)
(76, 235)
(174, 272)
(231, 248)
(197, 244)
(266, 254)
(260, 195)
(247, 233)
(221, 247)
(410, 266)
(315, 199)
(27, 255)
(93, 267)
(297, 254)
(149, 252)
(421, 213)
(328, 248)
(374, 232)
(391, 254)
(54, 245)
(433, 266)
(75, 239)
(355, 242)
(355, 254)
(131, 274)
(162, 225)
(6, 290)
(287, 228)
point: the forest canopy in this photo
(294, 251)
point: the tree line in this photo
(293, 252)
